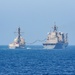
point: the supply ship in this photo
(56, 39)
(18, 42)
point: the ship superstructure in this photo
(56, 40)
(18, 42)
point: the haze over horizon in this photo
(36, 17)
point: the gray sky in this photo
(36, 17)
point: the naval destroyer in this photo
(18, 42)
(56, 39)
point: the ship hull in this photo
(55, 46)
(20, 47)
(16, 46)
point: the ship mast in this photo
(19, 34)
(66, 37)
(55, 27)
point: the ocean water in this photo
(34, 60)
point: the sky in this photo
(36, 18)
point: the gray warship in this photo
(56, 39)
(18, 42)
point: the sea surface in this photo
(35, 60)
